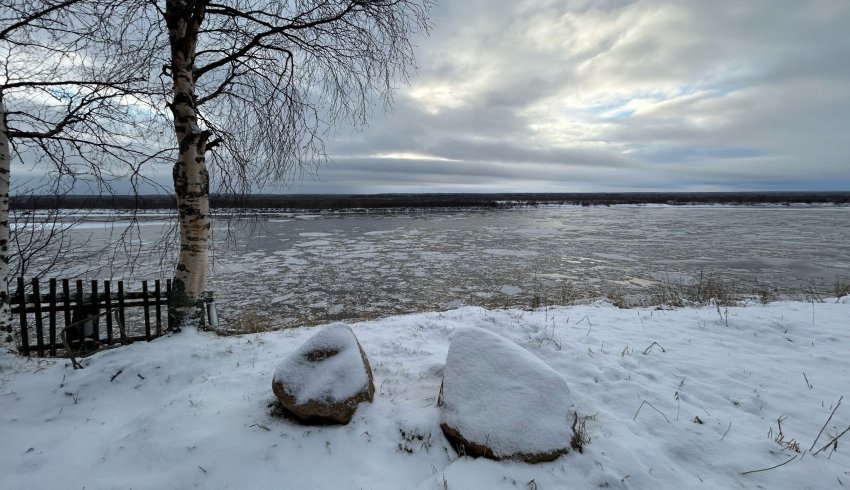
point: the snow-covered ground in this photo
(685, 398)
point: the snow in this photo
(499, 395)
(338, 377)
(192, 410)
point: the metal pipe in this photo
(212, 314)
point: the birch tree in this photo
(67, 107)
(256, 85)
(5, 159)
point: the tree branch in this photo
(258, 38)
(28, 20)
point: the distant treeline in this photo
(400, 201)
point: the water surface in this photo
(296, 268)
(308, 268)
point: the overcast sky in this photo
(613, 95)
(607, 95)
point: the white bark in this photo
(191, 179)
(191, 182)
(5, 159)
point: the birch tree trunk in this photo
(5, 159)
(191, 180)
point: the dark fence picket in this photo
(121, 307)
(146, 305)
(66, 301)
(107, 300)
(79, 310)
(39, 321)
(52, 318)
(168, 297)
(78, 333)
(22, 298)
(158, 294)
(95, 310)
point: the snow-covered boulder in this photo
(500, 401)
(326, 378)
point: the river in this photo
(284, 269)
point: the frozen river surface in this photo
(298, 269)
(292, 268)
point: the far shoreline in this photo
(361, 202)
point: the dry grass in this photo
(616, 297)
(568, 294)
(561, 293)
(779, 437)
(705, 289)
(580, 436)
(765, 293)
(247, 321)
(536, 301)
(841, 287)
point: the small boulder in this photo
(500, 401)
(325, 379)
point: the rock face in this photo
(502, 402)
(325, 379)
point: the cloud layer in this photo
(599, 95)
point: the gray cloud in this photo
(359, 175)
(613, 95)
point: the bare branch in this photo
(35, 15)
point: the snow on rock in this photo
(500, 401)
(326, 378)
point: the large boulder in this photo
(502, 402)
(325, 379)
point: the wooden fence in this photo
(73, 317)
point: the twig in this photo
(780, 437)
(649, 349)
(650, 406)
(833, 441)
(115, 375)
(68, 350)
(122, 333)
(807, 381)
(772, 467)
(824, 424)
(727, 430)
